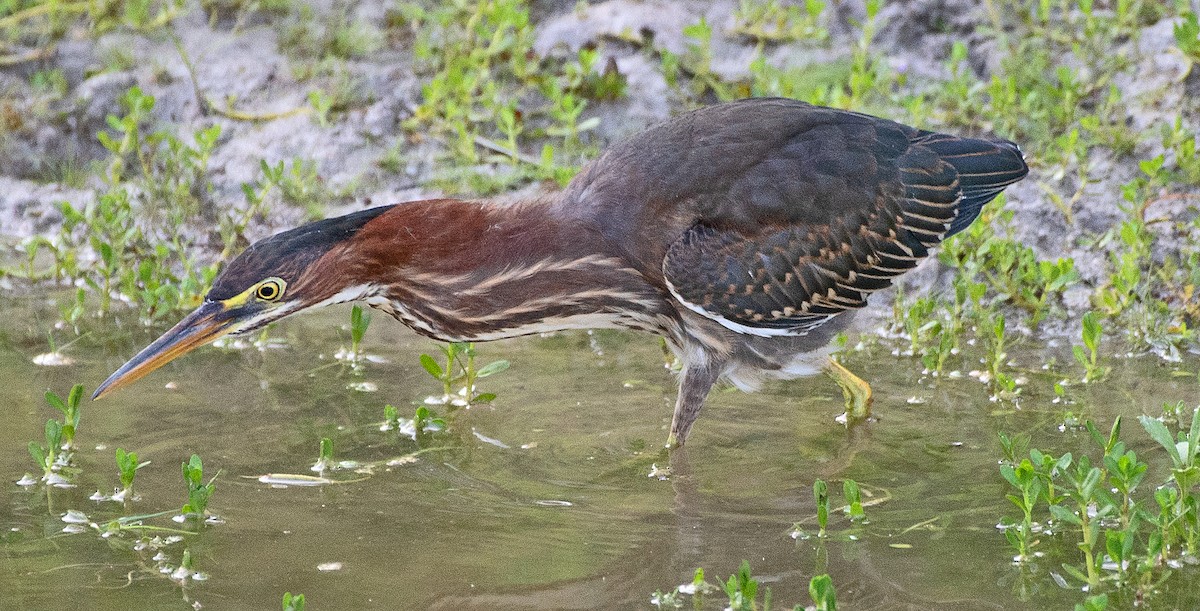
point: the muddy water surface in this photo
(544, 500)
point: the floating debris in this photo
(486, 439)
(283, 480)
(53, 359)
(407, 459)
(74, 516)
(58, 481)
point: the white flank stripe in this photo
(729, 324)
(550, 325)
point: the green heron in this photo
(747, 234)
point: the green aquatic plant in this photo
(127, 467)
(1098, 602)
(1024, 478)
(293, 602)
(1048, 469)
(1013, 447)
(1010, 271)
(1184, 451)
(359, 321)
(198, 491)
(1002, 385)
(1087, 516)
(1124, 540)
(391, 418)
(742, 590)
(47, 456)
(821, 495)
(426, 420)
(666, 600)
(459, 374)
(854, 505)
(1088, 354)
(697, 588)
(70, 412)
(853, 509)
(821, 590)
(325, 456)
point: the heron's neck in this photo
(477, 271)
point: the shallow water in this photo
(543, 500)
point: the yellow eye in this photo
(269, 290)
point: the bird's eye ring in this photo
(269, 290)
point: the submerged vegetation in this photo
(146, 170)
(1128, 539)
(743, 593)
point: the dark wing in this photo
(838, 209)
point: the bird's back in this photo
(771, 216)
(764, 160)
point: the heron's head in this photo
(273, 278)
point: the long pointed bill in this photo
(207, 323)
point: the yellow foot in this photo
(856, 391)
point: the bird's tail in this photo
(985, 168)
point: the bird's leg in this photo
(694, 383)
(856, 391)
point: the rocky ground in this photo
(246, 59)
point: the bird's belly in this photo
(749, 374)
(753, 360)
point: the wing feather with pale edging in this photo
(786, 274)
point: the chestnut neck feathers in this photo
(480, 270)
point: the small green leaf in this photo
(1159, 433)
(1098, 602)
(76, 396)
(820, 589)
(38, 454)
(56, 402)
(1010, 475)
(492, 368)
(1193, 436)
(53, 436)
(1114, 544)
(1074, 572)
(1062, 514)
(431, 366)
